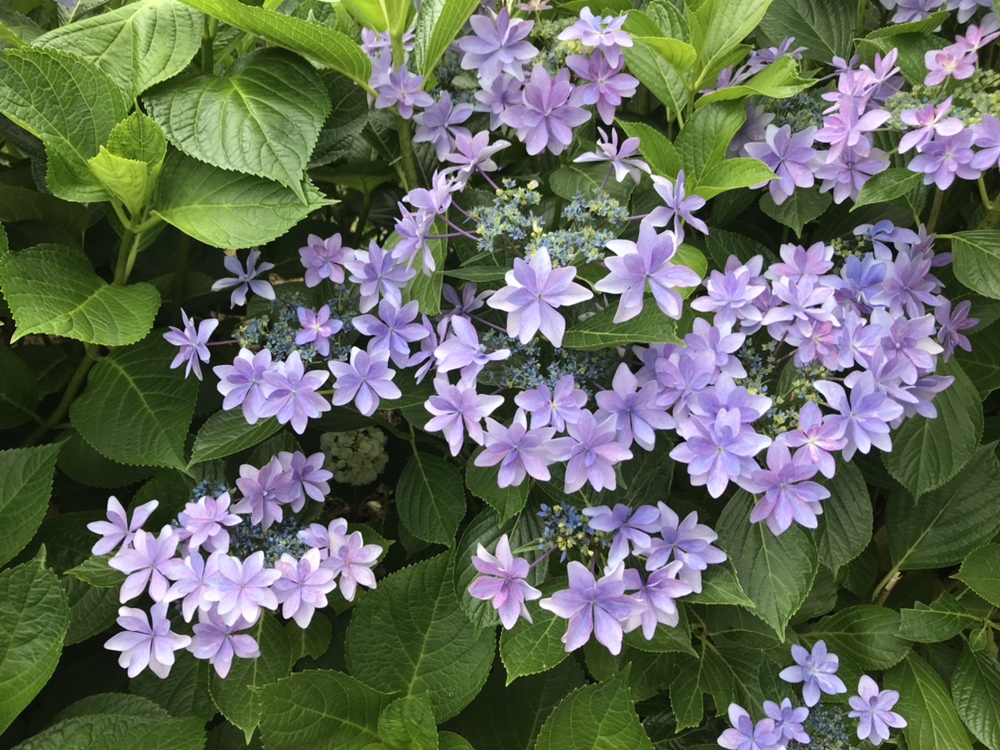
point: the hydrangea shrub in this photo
(545, 375)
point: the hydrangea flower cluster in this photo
(201, 565)
(356, 457)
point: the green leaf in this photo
(82, 463)
(16, 29)
(720, 586)
(238, 696)
(125, 180)
(227, 209)
(795, 212)
(932, 722)
(846, 526)
(533, 647)
(977, 260)
(430, 499)
(719, 26)
(135, 410)
(185, 690)
(506, 501)
(452, 741)
(927, 25)
(97, 572)
(600, 331)
(941, 621)
(18, 388)
(427, 645)
(53, 289)
(263, 118)
(981, 572)
(777, 572)
(982, 364)
(779, 80)
(567, 181)
(137, 45)
(705, 137)
(408, 724)
(824, 27)
(678, 54)
(733, 174)
(665, 640)
(656, 148)
(595, 717)
(140, 138)
(381, 15)
(324, 45)
(647, 474)
(926, 453)
(227, 432)
(887, 186)
(34, 616)
(438, 23)
(949, 522)
(119, 732)
(426, 290)
(119, 704)
(975, 688)
(865, 634)
(91, 610)
(657, 75)
(70, 105)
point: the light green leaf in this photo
(669, 19)
(452, 741)
(733, 174)
(138, 45)
(408, 724)
(657, 75)
(227, 432)
(427, 645)
(779, 80)
(926, 453)
(136, 410)
(140, 138)
(595, 717)
(981, 572)
(227, 209)
(777, 572)
(600, 331)
(34, 616)
(927, 25)
(824, 27)
(977, 260)
(506, 501)
(795, 212)
(975, 688)
(16, 29)
(887, 186)
(720, 586)
(932, 722)
(53, 289)
(677, 54)
(97, 572)
(381, 15)
(941, 621)
(119, 732)
(18, 389)
(845, 527)
(71, 105)
(430, 499)
(238, 696)
(718, 26)
(125, 179)
(25, 487)
(865, 634)
(438, 23)
(705, 137)
(263, 118)
(533, 647)
(656, 148)
(324, 45)
(948, 522)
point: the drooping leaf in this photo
(733, 174)
(126, 180)
(227, 432)
(53, 289)
(185, 690)
(658, 151)
(25, 486)
(531, 648)
(431, 499)
(795, 212)
(720, 586)
(975, 688)
(924, 702)
(779, 80)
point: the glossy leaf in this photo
(227, 432)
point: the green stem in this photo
(406, 149)
(881, 591)
(124, 251)
(72, 388)
(862, 7)
(935, 210)
(208, 45)
(984, 196)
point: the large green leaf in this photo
(658, 150)
(865, 634)
(71, 105)
(795, 212)
(506, 501)
(703, 142)
(977, 260)
(262, 118)
(530, 648)
(135, 410)
(430, 498)
(25, 486)
(18, 389)
(845, 528)
(119, 732)
(185, 690)
(981, 572)
(887, 186)
(982, 364)
(777, 572)
(733, 174)
(138, 45)
(228, 209)
(408, 724)
(34, 617)
(975, 688)
(595, 717)
(941, 621)
(948, 522)
(718, 27)
(824, 27)
(720, 586)
(324, 45)
(926, 453)
(426, 643)
(53, 289)
(600, 331)
(932, 722)
(227, 432)
(656, 74)
(779, 80)
(438, 23)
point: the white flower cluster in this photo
(356, 457)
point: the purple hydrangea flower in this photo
(438, 124)
(457, 411)
(206, 522)
(928, 121)
(246, 280)
(404, 90)
(687, 541)
(634, 408)
(627, 525)
(147, 641)
(192, 342)
(956, 61)
(118, 530)
(594, 453)
(946, 157)
(241, 382)
(788, 495)
(718, 451)
(817, 670)
(364, 380)
(547, 113)
(951, 326)
(192, 578)
(555, 406)
(498, 46)
(243, 587)
(501, 580)
(620, 158)
(502, 92)
(471, 153)
(658, 597)
(378, 275)
(462, 351)
(863, 419)
(603, 32)
(678, 205)
(290, 393)
(745, 735)
(351, 560)
(264, 490)
(788, 720)
(817, 439)
(606, 86)
(324, 259)
(144, 563)
(791, 157)
(309, 478)
(393, 330)
(317, 328)
(302, 587)
(521, 451)
(731, 296)
(873, 710)
(849, 172)
(847, 128)
(986, 136)
(219, 642)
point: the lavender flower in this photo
(246, 280)
(438, 124)
(788, 720)
(627, 526)
(946, 157)
(393, 330)
(634, 408)
(986, 135)
(928, 121)
(243, 587)
(606, 86)
(603, 32)
(118, 530)
(863, 419)
(308, 477)
(495, 97)
(378, 275)
(219, 642)
(872, 709)
(848, 173)
(147, 642)
(351, 560)
(790, 157)
(471, 153)
(521, 451)
(956, 61)
(192, 578)
(291, 393)
(241, 382)
(264, 490)
(731, 296)
(302, 587)
(457, 411)
(718, 451)
(951, 325)
(619, 157)
(555, 406)
(192, 342)
(817, 439)
(594, 454)
(462, 351)
(501, 580)
(404, 90)
(658, 597)
(817, 670)
(547, 114)
(497, 47)
(364, 380)
(745, 735)
(689, 542)
(678, 205)
(787, 494)
(323, 259)
(206, 522)
(144, 564)
(317, 328)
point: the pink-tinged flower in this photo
(303, 586)
(946, 157)
(498, 45)
(264, 490)
(438, 124)
(118, 530)
(308, 477)
(678, 205)
(620, 158)
(317, 328)
(955, 60)
(241, 382)
(872, 709)
(928, 121)
(521, 451)
(555, 406)
(219, 642)
(193, 343)
(647, 261)
(634, 408)
(462, 351)
(365, 380)
(976, 37)
(817, 439)
(593, 607)
(324, 537)
(393, 330)
(144, 564)
(745, 735)
(192, 578)
(547, 114)
(501, 580)
(147, 642)
(594, 453)
(206, 522)
(458, 410)
(291, 393)
(788, 496)
(324, 259)
(606, 86)
(658, 597)
(351, 560)
(603, 32)
(243, 587)
(791, 157)
(534, 289)
(817, 670)
(378, 275)
(246, 280)
(472, 153)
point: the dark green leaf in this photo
(865, 634)
(431, 499)
(887, 186)
(932, 722)
(977, 260)
(408, 724)
(25, 487)
(798, 210)
(227, 432)
(981, 572)
(720, 586)
(941, 621)
(600, 331)
(506, 501)
(119, 732)
(975, 689)
(846, 525)
(185, 690)
(531, 648)
(824, 27)
(18, 390)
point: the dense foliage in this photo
(611, 374)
